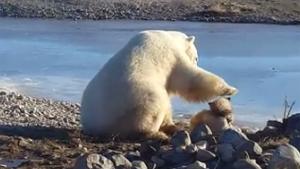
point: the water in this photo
(56, 59)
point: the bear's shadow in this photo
(62, 134)
(35, 132)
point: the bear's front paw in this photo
(229, 91)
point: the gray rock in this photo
(192, 148)
(174, 157)
(275, 123)
(133, 155)
(149, 148)
(139, 165)
(295, 139)
(205, 155)
(202, 144)
(197, 165)
(93, 161)
(251, 147)
(246, 164)
(233, 137)
(157, 161)
(120, 160)
(226, 152)
(285, 157)
(200, 132)
(181, 138)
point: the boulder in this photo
(285, 157)
(292, 124)
(295, 141)
(251, 147)
(233, 137)
(226, 152)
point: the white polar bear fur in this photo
(130, 95)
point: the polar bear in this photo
(130, 95)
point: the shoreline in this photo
(43, 133)
(232, 11)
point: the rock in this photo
(197, 165)
(202, 144)
(275, 123)
(205, 155)
(3, 93)
(149, 148)
(233, 137)
(93, 161)
(200, 132)
(181, 138)
(109, 153)
(292, 124)
(159, 162)
(251, 147)
(120, 160)
(133, 155)
(173, 157)
(246, 164)
(226, 152)
(139, 165)
(285, 156)
(12, 163)
(192, 148)
(295, 140)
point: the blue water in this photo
(56, 59)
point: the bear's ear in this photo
(191, 39)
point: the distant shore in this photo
(285, 12)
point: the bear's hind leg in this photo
(168, 125)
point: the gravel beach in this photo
(230, 11)
(39, 133)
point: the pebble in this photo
(93, 161)
(133, 155)
(120, 161)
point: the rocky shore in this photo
(231, 11)
(41, 133)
